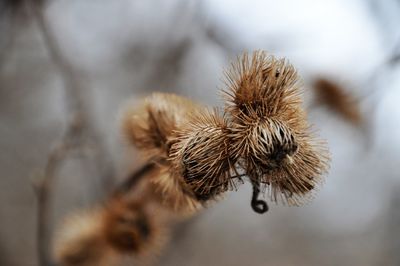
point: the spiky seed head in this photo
(261, 85)
(128, 228)
(272, 138)
(295, 182)
(201, 155)
(268, 143)
(79, 241)
(149, 126)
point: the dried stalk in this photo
(130, 182)
(79, 135)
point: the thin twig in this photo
(259, 206)
(43, 190)
(79, 134)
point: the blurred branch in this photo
(334, 96)
(79, 135)
(394, 58)
(8, 36)
(130, 182)
(168, 66)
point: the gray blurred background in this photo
(126, 49)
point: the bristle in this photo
(263, 133)
(272, 138)
(337, 99)
(201, 155)
(261, 86)
(268, 142)
(149, 127)
(173, 194)
(296, 181)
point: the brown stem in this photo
(72, 90)
(259, 206)
(43, 190)
(132, 180)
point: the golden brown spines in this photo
(173, 194)
(261, 86)
(149, 127)
(272, 137)
(264, 131)
(201, 155)
(294, 181)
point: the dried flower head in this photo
(80, 242)
(200, 155)
(337, 99)
(150, 126)
(272, 138)
(130, 228)
(103, 235)
(263, 134)
(261, 86)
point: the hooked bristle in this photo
(263, 134)
(201, 155)
(296, 181)
(261, 85)
(272, 138)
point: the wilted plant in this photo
(270, 133)
(194, 155)
(200, 155)
(151, 125)
(263, 134)
(122, 226)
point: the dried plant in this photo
(172, 193)
(337, 99)
(104, 235)
(79, 136)
(79, 241)
(185, 141)
(150, 126)
(201, 155)
(132, 227)
(263, 134)
(271, 136)
(194, 155)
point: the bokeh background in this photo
(121, 50)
